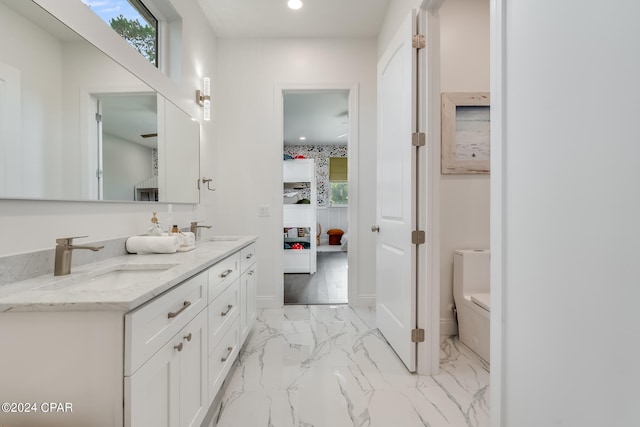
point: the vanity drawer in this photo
(222, 357)
(222, 312)
(149, 327)
(247, 257)
(222, 274)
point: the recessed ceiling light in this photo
(303, 138)
(294, 4)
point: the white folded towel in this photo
(152, 244)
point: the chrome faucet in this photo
(64, 247)
(195, 229)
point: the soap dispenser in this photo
(155, 229)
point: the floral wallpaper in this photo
(154, 161)
(321, 154)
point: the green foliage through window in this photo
(339, 193)
(141, 37)
(132, 21)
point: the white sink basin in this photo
(224, 238)
(110, 278)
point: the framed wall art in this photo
(465, 133)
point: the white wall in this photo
(34, 225)
(38, 157)
(249, 173)
(464, 199)
(125, 164)
(565, 212)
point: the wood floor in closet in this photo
(327, 286)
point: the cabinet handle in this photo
(224, 313)
(187, 337)
(251, 273)
(229, 350)
(173, 314)
(226, 273)
(249, 256)
(178, 347)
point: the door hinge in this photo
(418, 139)
(417, 237)
(417, 335)
(98, 117)
(419, 41)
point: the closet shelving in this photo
(299, 219)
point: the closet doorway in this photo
(316, 135)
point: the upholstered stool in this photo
(335, 234)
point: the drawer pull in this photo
(188, 337)
(173, 314)
(229, 350)
(178, 347)
(249, 256)
(226, 273)
(224, 313)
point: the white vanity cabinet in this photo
(224, 324)
(154, 358)
(165, 362)
(248, 278)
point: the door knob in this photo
(375, 228)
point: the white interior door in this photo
(396, 186)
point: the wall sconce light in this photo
(203, 98)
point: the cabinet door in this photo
(193, 372)
(248, 304)
(151, 397)
(170, 389)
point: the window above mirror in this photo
(133, 21)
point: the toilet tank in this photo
(471, 271)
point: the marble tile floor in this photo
(328, 366)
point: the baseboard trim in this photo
(268, 302)
(363, 301)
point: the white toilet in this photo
(471, 296)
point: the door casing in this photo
(353, 149)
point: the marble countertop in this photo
(61, 293)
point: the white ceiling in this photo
(130, 116)
(321, 117)
(316, 18)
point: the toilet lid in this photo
(483, 300)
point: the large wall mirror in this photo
(76, 125)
